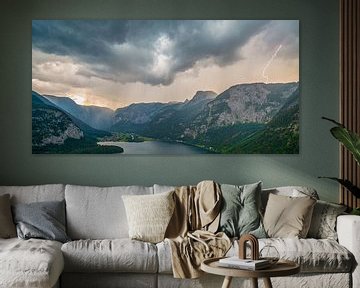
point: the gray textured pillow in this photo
(323, 222)
(240, 213)
(288, 217)
(7, 226)
(44, 220)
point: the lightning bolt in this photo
(266, 77)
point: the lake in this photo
(156, 147)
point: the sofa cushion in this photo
(323, 222)
(313, 255)
(291, 191)
(30, 263)
(7, 226)
(98, 213)
(43, 220)
(149, 215)
(117, 255)
(164, 257)
(240, 210)
(287, 216)
(36, 193)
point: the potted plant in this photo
(351, 141)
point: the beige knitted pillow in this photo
(288, 217)
(149, 215)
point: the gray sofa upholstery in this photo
(101, 255)
(35, 262)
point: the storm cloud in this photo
(114, 63)
(147, 51)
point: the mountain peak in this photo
(61, 98)
(203, 95)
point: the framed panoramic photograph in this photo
(165, 87)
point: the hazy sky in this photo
(114, 63)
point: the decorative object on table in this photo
(241, 261)
(270, 253)
(351, 142)
(254, 246)
(165, 86)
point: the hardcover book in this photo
(236, 262)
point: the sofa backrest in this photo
(36, 193)
(98, 212)
(162, 188)
(293, 191)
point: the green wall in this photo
(319, 74)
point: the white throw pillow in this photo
(149, 215)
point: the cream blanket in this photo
(191, 231)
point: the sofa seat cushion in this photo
(313, 255)
(115, 255)
(30, 263)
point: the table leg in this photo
(227, 282)
(267, 283)
(254, 282)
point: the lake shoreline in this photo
(156, 147)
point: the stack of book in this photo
(248, 264)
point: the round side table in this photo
(281, 268)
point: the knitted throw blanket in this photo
(191, 231)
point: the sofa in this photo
(100, 253)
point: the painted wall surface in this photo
(319, 74)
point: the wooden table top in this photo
(281, 268)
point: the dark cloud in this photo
(151, 52)
(286, 33)
(76, 37)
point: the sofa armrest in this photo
(348, 230)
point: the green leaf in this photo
(355, 211)
(333, 121)
(349, 139)
(347, 184)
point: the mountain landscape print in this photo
(165, 87)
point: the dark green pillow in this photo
(240, 213)
(43, 220)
